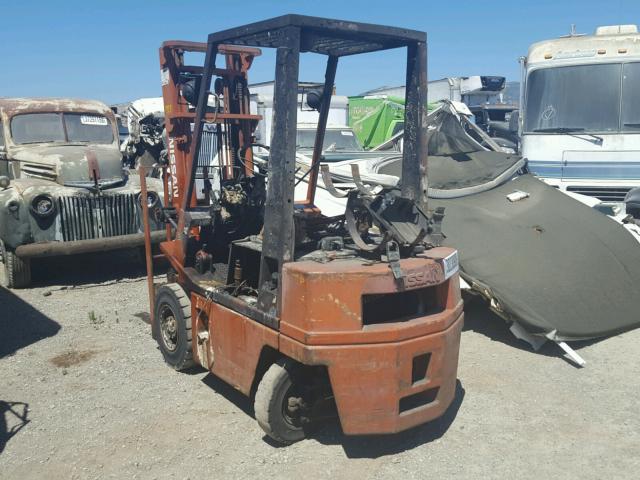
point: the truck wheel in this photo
(172, 326)
(15, 271)
(279, 405)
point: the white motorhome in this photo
(262, 104)
(580, 104)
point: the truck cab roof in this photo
(15, 106)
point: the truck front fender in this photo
(15, 227)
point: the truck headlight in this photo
(13, 206)
(43, 206)
(152, 199)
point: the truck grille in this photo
(87, 217)
(208, 157)
(604, 194)
(208, 150)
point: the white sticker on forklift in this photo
(450, 264)
(346, 133)
(92, 120)
(164, 76)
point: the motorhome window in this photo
(582, 98)
(88, 127)
(48, 127)
(631, 97)
(37, 128)
(1, 135)
(334, 140)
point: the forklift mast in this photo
(231, 113)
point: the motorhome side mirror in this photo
(314, 99)
(632, 202)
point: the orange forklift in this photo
(293, 308)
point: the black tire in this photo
(172, 326)
(272, 400)
(15, 271)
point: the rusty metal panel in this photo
(15, 106)
(370, 381)
(328, 297)
(236, 343)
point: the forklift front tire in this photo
(279, 403)
(172, 326)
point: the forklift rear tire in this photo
(172, 326)
(272, 405)
(16, 271)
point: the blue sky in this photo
(108, 50)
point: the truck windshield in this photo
(61, 127)
(334, 140)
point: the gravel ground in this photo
(84, 393)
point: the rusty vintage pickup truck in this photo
(63, 189)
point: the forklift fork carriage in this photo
(275, 292)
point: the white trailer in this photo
(474, 90)
(262, 104)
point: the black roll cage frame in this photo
(291, 35)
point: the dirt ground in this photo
(84, 393)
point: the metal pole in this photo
(327, 91)
(147, 242)
(201, 108)
(278, 238)
(415, 155)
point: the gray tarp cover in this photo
(550, 262)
